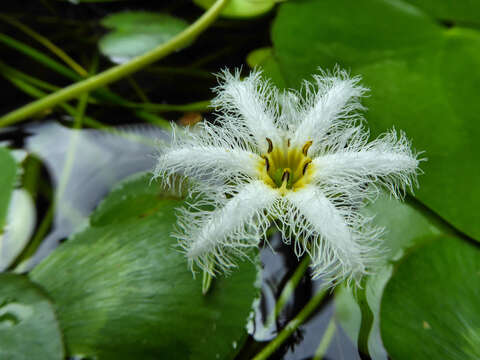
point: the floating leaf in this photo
(423, 79)
(28, 326)
(406, 225)
(451, 11)
(7, 182)
(430, 307)
(123, 290)
(136, 32)
(241, 8)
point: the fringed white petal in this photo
(248, 107)
(340, 242)
(217, 237)
(387, 161)
(290, 110)
(208, 153)
(207, 162)
(333, 103)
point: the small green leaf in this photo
(8, 168)
(136, 32)
(430, 307)
(28, 326)
(124, 290)
(241, 8)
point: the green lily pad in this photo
(136, 32)
(28, 325)
(423, 79)
(123, 290)
(7, 182)
(406, 226)
(451, 11)
(430, 307)
(241, 8)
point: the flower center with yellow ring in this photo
(286, 168)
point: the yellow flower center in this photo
(286, 168)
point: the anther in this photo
(267, 163)
(288, 143)
(305, 167)
(306, 147)
(286, 175)
(270, 145)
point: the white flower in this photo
(301, 159)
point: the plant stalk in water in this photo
(117, 72)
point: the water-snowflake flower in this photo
(300, 159)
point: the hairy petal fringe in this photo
(248, 105)
(225, 233)
(387, 161)
(331, 103)
(340, 242)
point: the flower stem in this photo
(116, 72)
(288, 290)
(291, 326)
(326, 339)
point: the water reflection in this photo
(84, 165)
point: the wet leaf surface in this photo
(123, 289)
(28, 325)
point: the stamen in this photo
(305, 167)
(267, 163)
(288, 143)
(270, 145)
(306, 147)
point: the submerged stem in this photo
(291, 326)
(288, 290)
(326, 339)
